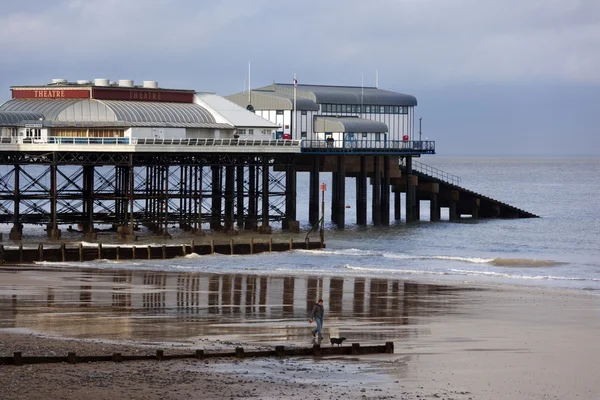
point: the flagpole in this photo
(294, 113)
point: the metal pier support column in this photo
(250, 222)
(334, 195)
(385, 192)
(410, 191)
(340, 188)
(397, 205)
(229, 196)
(264, 227)
(376, 203)
(239, 179)
(53, 231)
(290, 222)
(434, 208)
(16, 232)
(361, 193)
(88, 198)
(166, 202)
(313, 205)
(215, 216)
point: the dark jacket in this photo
(317, 312)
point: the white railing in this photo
(151, 142)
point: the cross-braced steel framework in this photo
(125, 190)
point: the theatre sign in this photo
(104, 93)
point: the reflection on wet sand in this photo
(161, 306)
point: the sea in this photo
(560, 249)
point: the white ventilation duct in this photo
(101, 82)
(151, 84)
(83, 82)
(125, 83)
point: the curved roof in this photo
(348, 124)
(134, 113)
(345, 94)
(269, 100)
(15, 118)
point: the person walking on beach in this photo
(317, 316)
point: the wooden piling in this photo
(251, 245)
(199, 354)
(133, 252)
(80, 252)
(279, 351)
(18, 358)
(99, 251)
(164, 252)
(160, 355)
(63, 250)
(192, 246)
(118, 255)
(291, 244)
(21, 252)
(239, 352)
(183, 250)
(389, 347)
(231, 252)
(41, 252)
(212, 246)
(307, 243)
(149, 252)
(270, 245)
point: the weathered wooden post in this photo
(291, 244)
(133, 252)
(1, 254)
(251, 245)
(355, 349)
(389, 347)
(118, 256)
(41, 252)
(307, 242)
(63, 251)
(164, 252)
(317, 350)
(160, 355)
(270, 245)
(231, 246)
(149, 252)
(21, 252)
(200, 354)
(99, 251)
(239, 352)
(183, 250)
(279, 351)
(80, 252)
(18, 358)
(72, 358)
(193, 246)
(212, 246)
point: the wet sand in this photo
(459, 342)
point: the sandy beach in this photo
(451, 341)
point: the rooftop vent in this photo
(151, 84)
(101, 82)
(58, 81)
(83, 82)
(125, 83)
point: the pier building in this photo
(117, 156)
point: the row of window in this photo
(74, 132)
(367, 109)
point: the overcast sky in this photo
(512, 77)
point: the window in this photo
(303, 112)
(395, 110)
(367, 109)
(386, 109)
(241, 131)
(378, 137)
(250, 131)
(381, 109)
(303, 135)
(339, 108)
(344, 108)
(279, 112)
(365, 135)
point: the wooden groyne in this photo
(280, 351)
(80, 253)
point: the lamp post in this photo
(420, 118)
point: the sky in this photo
(509, 78)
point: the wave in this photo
(498, 262)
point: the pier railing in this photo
(434, 172)
(151, 142)
(368, 145)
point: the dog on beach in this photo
(337, 341)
